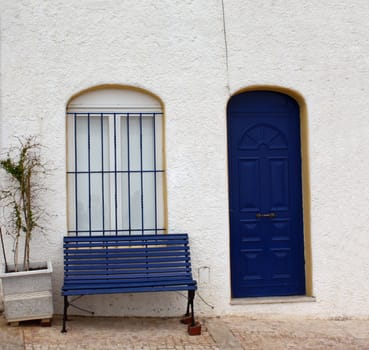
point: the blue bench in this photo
(127, 264)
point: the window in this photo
(115, 166)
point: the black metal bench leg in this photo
(66, 304)
(191, 297)
(188, 305)
(194, 328)
(188, 317)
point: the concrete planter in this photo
(27, 295)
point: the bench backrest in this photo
(127, 260)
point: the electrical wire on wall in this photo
(226, 47)
(201, 298)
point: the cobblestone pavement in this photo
(105, 333)
(225, 333)
(299, 333)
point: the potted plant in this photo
(27, 290)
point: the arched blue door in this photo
(265, 194)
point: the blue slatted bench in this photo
(127, 264)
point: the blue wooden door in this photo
(265, 195)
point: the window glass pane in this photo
(95, 143)
(111, 193)
(149, 201)
(134, 143)
(82, 202)
(124, 210)
(148, 150)
(96, 202)
(123, 143)
(160, 201)
(70, 142)
(81, 142)
(159, 142)
(71, 200)
(107, 225)
(135, 200)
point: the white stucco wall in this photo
(175, 49)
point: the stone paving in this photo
(225, 333)
(299, 333)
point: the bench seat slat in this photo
(129, 274)
(104, 283)
(126, 272)
(112, 261)
(122, 245)
(124, 279)
(129, 290)
(116, 252)
(87, 248)
(140, 238)
(130, 277)
(132, 281)
(97, 243)
(134, 274)
(128, 266)
(81, 253)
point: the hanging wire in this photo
(201, 298)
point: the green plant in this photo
(23, 167)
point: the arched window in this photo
(115, 166)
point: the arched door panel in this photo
(265, 193)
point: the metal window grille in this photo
(115, 173)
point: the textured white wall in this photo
(320, 49)
(176, 49)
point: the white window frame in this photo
(116, 180)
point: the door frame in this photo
(305, 175)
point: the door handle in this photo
(267, 215)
